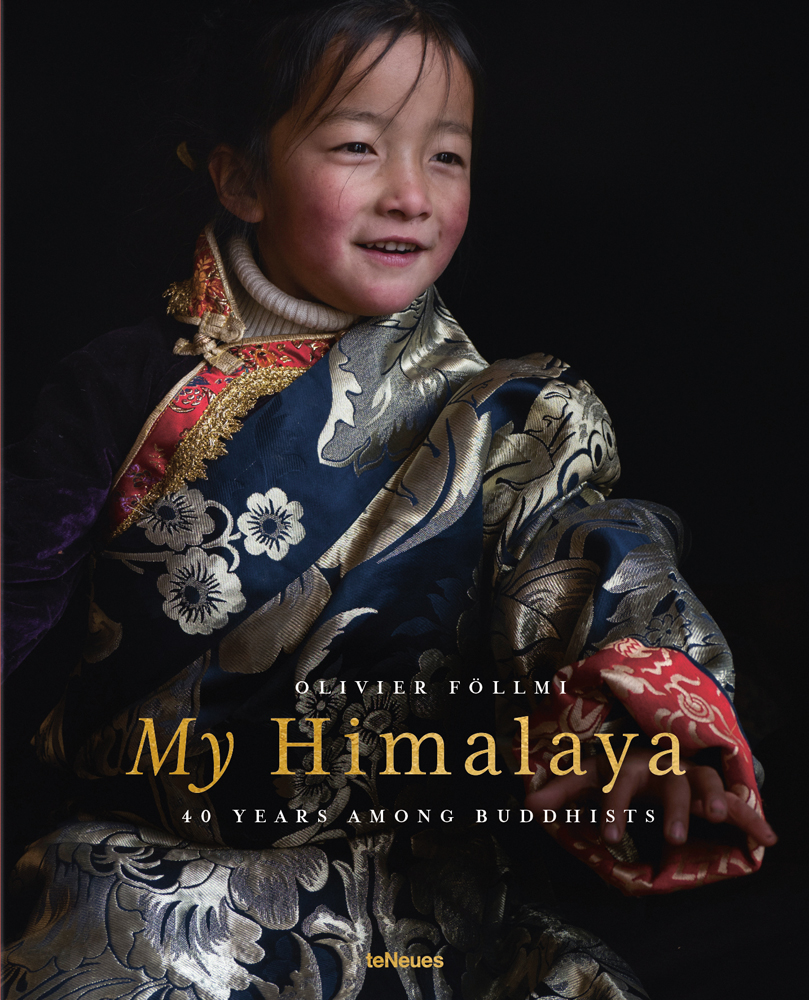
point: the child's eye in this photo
(360, 148)
(447, 158)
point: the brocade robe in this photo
(360, 552)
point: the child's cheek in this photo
(455, 221)
(328, 212)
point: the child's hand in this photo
(698, 792)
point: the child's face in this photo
(373, 171)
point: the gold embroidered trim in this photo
(179, 295)
(206, 439)
(164, 402)
(156, 413)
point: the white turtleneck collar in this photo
(269, 313)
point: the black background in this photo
(636, 211)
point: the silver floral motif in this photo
(186, 922)
(325, 701)
(313, 791)
(668, 630)
(431, 703)
(271, 524)
(200, 592)
(381, 711)
(177, 520)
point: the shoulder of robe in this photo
(545, 381)
(548, 423)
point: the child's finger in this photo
(708, 796)
(747, 819)
(616, 801)
(676, 797)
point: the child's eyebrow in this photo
(382, 122)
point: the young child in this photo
(319, 522)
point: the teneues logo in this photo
(404, 961)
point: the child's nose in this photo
(405, 193)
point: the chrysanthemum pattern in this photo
(199, 591)
(178, 520)
(271, 524)
(201, 588)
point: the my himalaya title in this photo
(481, 761)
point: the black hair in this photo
(263, 56)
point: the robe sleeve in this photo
(593, 620)
(597, 572)
(58, 477)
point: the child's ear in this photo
(234, 188)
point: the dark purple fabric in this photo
(58, 477)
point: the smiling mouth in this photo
(391, 247)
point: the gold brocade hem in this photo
(206, 439)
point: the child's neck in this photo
(270, 313)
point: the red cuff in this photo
(664, 691)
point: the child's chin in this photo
(385, 304)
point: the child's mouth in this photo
(391, 247)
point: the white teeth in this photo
(392, 246)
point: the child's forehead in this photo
(386, 74)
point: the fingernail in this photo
(611, 834)
(677, 832)
(718, 807)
